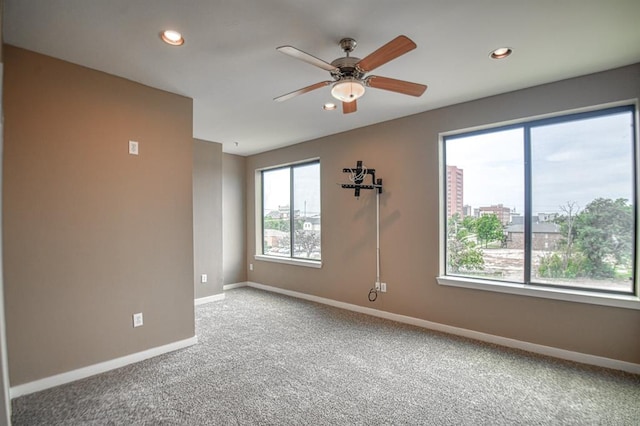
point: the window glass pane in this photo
(276, 218)
(582, 195)
(485, 204)
(306, 195)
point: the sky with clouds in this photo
(306, 188)
(576, 161)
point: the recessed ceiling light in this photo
(172, 37)
(329, 106)
(501, 53)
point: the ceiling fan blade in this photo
(304, 56)
(396, 47)
(301, 91)
(393, 85)
(349, 107)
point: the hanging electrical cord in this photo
(373, 294)
(357, 177)
(374, 290)
(377, 237)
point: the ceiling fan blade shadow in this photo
(349, 107)
(301, 91)
(396, 47)
(304, 56)
(398, 86)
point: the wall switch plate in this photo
(137, 320)
(203, 278)
(383, 287)
(133, 147)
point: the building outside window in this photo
(554, 202)
(291, 211)
(455, 184)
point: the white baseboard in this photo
(490, 338)
(92, 370)
(209, 299)
(234, 285)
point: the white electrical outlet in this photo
(203, 278)
(137, 320)
(383, 287)
(133, 147)
(251, 266)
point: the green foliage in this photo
(604, 234)
(277, 224)
(489, 228)
(553, 265)
(463, 257)
(282, 224)
(307, 241)
(469, 223)
(462, 251)
(596, 241)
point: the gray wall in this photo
(234, 248)
(404, 153)
(92, 234)
(207, 217)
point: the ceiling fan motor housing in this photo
(346, 68)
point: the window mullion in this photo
(528, 214)
(291, 213)
(262, 209)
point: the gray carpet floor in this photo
(267, 359)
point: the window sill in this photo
(290, 261)
(578, 296)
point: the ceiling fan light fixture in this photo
(501, 53)
(347, 90)
(172, 37)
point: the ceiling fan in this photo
(349, 73)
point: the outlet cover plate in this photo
(133, 147)
(137, 320)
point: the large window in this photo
(547, 203)
(291, 211)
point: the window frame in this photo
(528, 287)
(290, 259)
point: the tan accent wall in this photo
(5, 403)
(234, 248)
(207, 217)
(92, 234)
(404, 153)
(1, 28)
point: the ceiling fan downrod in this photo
(347, 45)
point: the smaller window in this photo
(291, 211)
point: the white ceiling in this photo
(231, 69)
